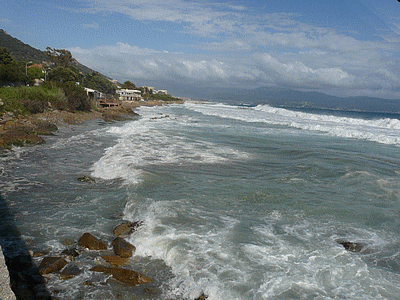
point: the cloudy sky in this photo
(341, 47)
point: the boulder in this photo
(126, 276)
(90, 242)
(114, 260)
(69, 272)
(86, 179)
(122, 248)
(70, 253)
(351, 246)
(126, 228)
(51, 264)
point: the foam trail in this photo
(384, 131)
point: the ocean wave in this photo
(384, 130)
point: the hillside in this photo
(20, 50)
(24, 52)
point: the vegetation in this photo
(21, 64)
(98, 82)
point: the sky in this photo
(339, 47)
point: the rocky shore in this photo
(28, 130)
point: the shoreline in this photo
(28, 130)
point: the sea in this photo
(237, 201)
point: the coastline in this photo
(28, 130)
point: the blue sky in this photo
(344, 48)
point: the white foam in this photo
(385, 131)
(302, 260)
(147, 142)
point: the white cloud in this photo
(247, 48)
(298, 74)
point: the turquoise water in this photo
(237, 202)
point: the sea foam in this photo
(384, 131)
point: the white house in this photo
(94, 94)
(129, 95)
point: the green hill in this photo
(19, 50)
(24, 52)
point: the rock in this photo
(51, 264)
(114, 260)
(69, 272)
(90, 242)
(70, 253)
(86, 179)
(126, 228)
(68, 242)
(41, 253)
(126, 276)
(45, 128)
(351, 246)
(19, 138)
(122, 248)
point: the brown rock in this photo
(126, 228)
(90, 242)
(69, 272)
(51, 264)
(122, 248)
(126, 276)
(123, 229)
(114, 260)
(41, 253)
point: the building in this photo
(129, 95)
(94, 94)
(160, 92)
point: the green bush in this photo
(77, 98)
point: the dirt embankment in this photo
(27, 130)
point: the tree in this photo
(62, 74)
(128, 85)
(60, 57)
(5, 57)
(35, 72)
(98, 82)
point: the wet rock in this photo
(122, 248)
(51, 264)
(41, 253)
(19, 138)
(45, 128)
(70, 271)
(202, 297)
(70, 253)
(351, 246)
(86, 179)
(68, 242)
(114, 260)
(90, 242)
(126, 228)
(126, 276)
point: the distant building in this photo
(160, 92)
(94, 94)
(129, 95)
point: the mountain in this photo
(20, 50)
(289, 98)
(24, 52)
